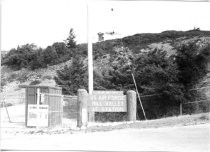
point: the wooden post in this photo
(131, 105)
(181, 109)
(82, 111)
(196, 107)
(37, 110)
(26, 106)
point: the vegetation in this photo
(30, 57)
(169, 78)
(70, 42)
(35, 82)
(192, 63)
(74, 77)
(155, 73)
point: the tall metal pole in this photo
(0, 37)
(91, 115)
(90, 53)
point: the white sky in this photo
(44, 22)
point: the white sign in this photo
(37, 115)
(42, 97)
(108, 101)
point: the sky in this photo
(44, 22)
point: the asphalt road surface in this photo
(181, 138)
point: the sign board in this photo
(42, 97)
(37, 115)
(105, 102)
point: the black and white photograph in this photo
(105, 75)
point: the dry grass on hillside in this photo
(12, 94)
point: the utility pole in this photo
(90, 53)
(91, 115)
(0, 38)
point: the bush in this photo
(73, 77)
(48, 77)
(23, 76)
(20, 57)
(3, 83)
(192, 63)
(12, 77)
(110, 116)
(5, 104)
(35, 82)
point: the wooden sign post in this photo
(131, 100)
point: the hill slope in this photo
(137, 43)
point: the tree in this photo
(60, 48)
(112, 71)
(156, 75)
(50, 55)
(73, 77)
(20, 57)
(122, 65)
(155, 72)
(70, 42)
(37, 60)
(192, 63)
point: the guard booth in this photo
(43, 106)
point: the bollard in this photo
(82, 111)
(131, 105)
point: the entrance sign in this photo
(105, 101)
(108, 101)
(37, 115)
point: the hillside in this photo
(138, 43)
(13, 94)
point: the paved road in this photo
(187, 138)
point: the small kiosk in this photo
(43, 106)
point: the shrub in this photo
(3, 83)
(48, 77)
(20, 57)
(12, 77)
(23, 76)
(5, 104)
(73, 77)
(110, 116)
(35, 82)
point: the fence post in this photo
(82, 111)
(131, 105)
(181, 109)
